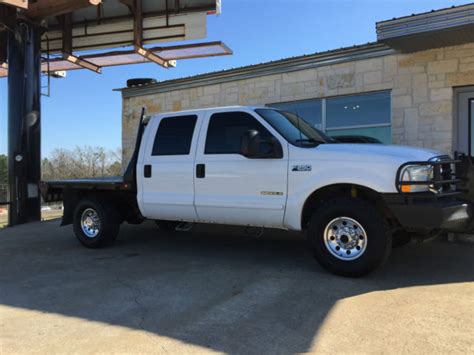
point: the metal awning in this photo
(435, 29)
(74, 28)
(170, 53)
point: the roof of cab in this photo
(217, 108)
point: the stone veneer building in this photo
(411, 87)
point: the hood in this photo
(379, 151)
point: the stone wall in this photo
(421, 83)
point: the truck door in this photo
(231, 188)
(166, 169)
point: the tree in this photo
(82, 162)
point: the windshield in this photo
(293, 128)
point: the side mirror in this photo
(254, 147)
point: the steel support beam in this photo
(136, 9)
(145, 53)
(82, 63)
(24, 121)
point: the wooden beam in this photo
(23, 4)
(48, 8)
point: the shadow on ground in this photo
(213, 287)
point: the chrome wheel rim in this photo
(90, 223)
(345, 238)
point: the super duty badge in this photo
(301, 168)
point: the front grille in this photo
(447, 172)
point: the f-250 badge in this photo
(301, 168)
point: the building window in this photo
(309, 110)
(360, 115)
(174, 135)
(225, 131)
(367, 115)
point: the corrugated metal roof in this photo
(440, 28)
(285, 65)
(427, 12)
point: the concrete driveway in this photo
(215, 290)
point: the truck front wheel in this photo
(96, 223)
(349, 237)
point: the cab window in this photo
(174, 135)
(225, 131)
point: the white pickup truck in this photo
(259, 166)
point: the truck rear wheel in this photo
(349, 237)
(96, 223)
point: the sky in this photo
(84, 110)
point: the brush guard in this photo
(443, 184)
(453, 179)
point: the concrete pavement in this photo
(215, 290)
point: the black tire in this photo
(378, 237)
(167, 225)
(140, 82)
(109, 220)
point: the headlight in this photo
(413, 173)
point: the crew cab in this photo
(259, 166)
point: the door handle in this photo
(200, 171)
(147, 171)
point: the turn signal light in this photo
(406, 188)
